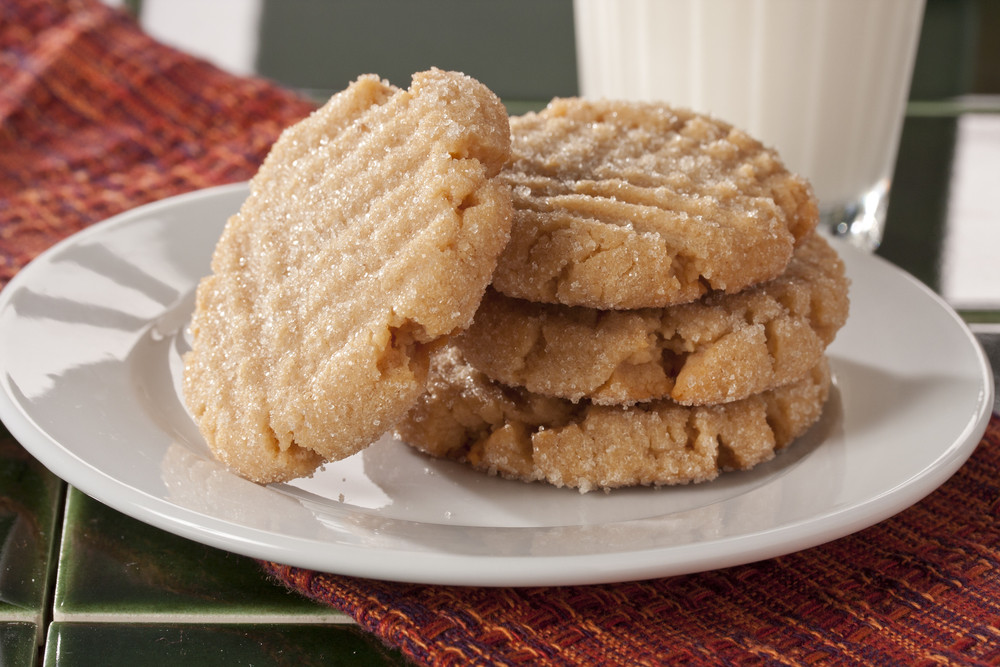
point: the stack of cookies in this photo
(598, 295)
(659, 315)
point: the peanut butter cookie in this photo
(633, 205)
(721, 348)
(370, 232)
(517, 434)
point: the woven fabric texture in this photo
(96, 118)
(922, 588)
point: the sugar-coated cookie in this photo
(370, 232)
(521, 435)
(721, 348)
(632, 204)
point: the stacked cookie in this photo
(659, 315)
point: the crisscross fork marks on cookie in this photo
(370, 233)
(703, 205)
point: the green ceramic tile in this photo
(30, 503)
(110, 645)
(918, 203)
(950, 26)
(18, 644)
(112, 566)
(990, 340)
(527, 51)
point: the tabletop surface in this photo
(78, 579)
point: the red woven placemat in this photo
(96, 118)
(920, 588)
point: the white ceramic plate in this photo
(91, 335)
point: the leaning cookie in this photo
(370, 233)
(633, 205)
(718, 349)
(520, 435)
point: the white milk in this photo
(825, 82)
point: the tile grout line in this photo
(52, 571)
(105, 618)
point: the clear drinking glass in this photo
(825, 82)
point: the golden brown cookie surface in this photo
(631, 205)
(520, 435)
(371, 231)
(721, 348)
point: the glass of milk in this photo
(825, 82)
